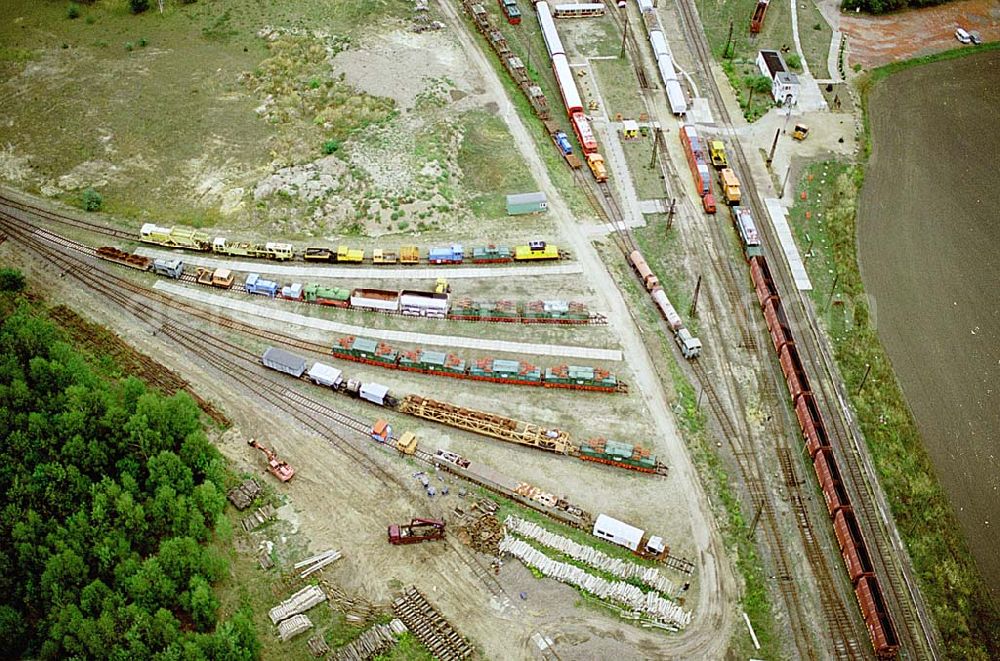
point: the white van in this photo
(963, 36)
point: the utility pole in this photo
(784, 182)
(833, 288)
(694, 299)
(868, 370)
(774, 145)
(729, 39)
(656, 145)
(670, 214)
(756, 519)
(624, 35)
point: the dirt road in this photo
(714, 615)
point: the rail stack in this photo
(430, 627)
(513, 64)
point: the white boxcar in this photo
(617, 532)
(676, 97)
(375, 393)
(326, 375)
(423, 304)
(645, 6)
(659, 43)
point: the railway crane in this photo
(416, 531)
(276, 467)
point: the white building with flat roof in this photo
(784, 83)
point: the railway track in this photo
(917, 635)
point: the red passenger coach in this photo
(584, 133)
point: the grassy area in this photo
(619, 88)
(525, 41)
(407, 649)
(756, 598)
(952, 587)
(648, 180)
(662, 250)
(815, 35)
(491, 166)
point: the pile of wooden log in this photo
(243, 494)
(318, 646)
(293, 626)
(299, 602)
(430, 628)
(258, 518)
(357, 609)
(644, 605)
(649, 576)
(483, 534)
(373, 642)
(317, 562)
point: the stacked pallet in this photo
(645, 605)
(299, 602)
(242, 495)
(649, 576)
(430, 628)
(258, 518)
(293, 626)
(373, 642)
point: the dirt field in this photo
(927, 244)
(878, 40)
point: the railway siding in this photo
(356, 272)
(560, 350)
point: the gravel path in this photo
(370, 273)
(450, 341)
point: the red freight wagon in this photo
(791, 366)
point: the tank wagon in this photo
(665, 66)
(853, 547)
(689, 345)
(570, 94)
(513, 372)
(191, 239)
(696, 152)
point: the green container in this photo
(506, 370)
(432, 361)
(581, 376)
(368, 349)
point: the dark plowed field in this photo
(929, 235)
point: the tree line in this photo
(110, 493)
(886, 6)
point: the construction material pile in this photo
(299, 602)
(293, 626)
(372, 643)
(242, 495)
(647, 606)
(483, 534)
(317, 562)
(589, 555)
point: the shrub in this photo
(129, 46)
(73, 11)
(143, 42)
(817, 27)
(138, 6)
(90, 20)
(11, 280)
(794, 61)
(92, 200)
(331, 146)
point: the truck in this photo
(416, 531)
(717, 152)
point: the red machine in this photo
(416, 531)
(275, 466)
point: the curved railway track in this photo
(916, 633)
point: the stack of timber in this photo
(589, 555)
(317, 562)
(243, 494)
(647, 606)
(357, 610)
(318, 646)
(299, 602)
(372, 643)
(430, 628)
(293, 626)
(258, 518)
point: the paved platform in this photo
(448, 341)
(368, 273)
(779, 218)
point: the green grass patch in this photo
(648, 180)
(407, 649)
(491, 166)
(663, 252)
(952, 586)
(619, 88)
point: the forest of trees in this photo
(110, 492)
(886, 6)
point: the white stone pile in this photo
(293, 626)
(587, 554)
(299, 602)
(645, 605)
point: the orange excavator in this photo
(275, 466)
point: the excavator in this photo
(416, 531)
(275, 466)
